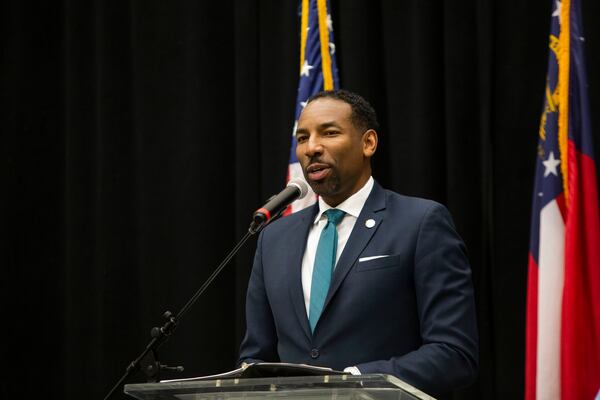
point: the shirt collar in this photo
(352, 205)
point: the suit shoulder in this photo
(422, 212)
(413, 204)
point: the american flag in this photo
(563, 296)
(318, 71)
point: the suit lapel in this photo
(297, 236)
(359, 238)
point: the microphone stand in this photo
(148, 359)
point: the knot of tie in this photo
(334, 216)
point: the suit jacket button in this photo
(314, 353)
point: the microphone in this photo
(295, 189)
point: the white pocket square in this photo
(362, 259)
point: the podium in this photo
(338, 387)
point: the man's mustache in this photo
(316, 160)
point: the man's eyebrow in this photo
(300, 130)
(330, 124)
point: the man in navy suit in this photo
(399, 299)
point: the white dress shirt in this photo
(352, 206)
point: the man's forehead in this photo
(325, 110)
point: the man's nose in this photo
(313, 146)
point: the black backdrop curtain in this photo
(138, 137)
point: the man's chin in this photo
(322, 188)
(316, 187)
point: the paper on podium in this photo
(266, 370)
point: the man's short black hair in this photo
(363, 114)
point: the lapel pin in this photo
(370, 223)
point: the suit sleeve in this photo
(448, 356)
(260, 341)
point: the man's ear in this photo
(369, 143)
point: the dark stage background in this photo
(139, 136)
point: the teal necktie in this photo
(323, 267)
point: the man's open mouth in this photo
(317, 171)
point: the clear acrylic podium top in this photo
(339, 387)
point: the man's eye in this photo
(300, 138)
(330, 133)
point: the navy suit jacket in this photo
(410, 314)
